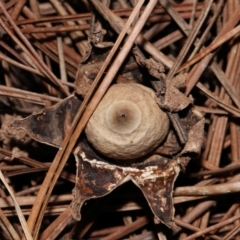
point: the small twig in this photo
(74, 35)
(197, 211)
(14, 53)
(211, 48)
(33, 163)
(17, 64)
(220, 102)
(90, 217)
(26, 171)
(232, 233)
(169, 39)
(181, 9)
(31, 30)
(198, 69)
(194, 8)
(232, 167)
(191, 227)
(229, 213)
(17, 9)
(18, 209)
(200, 41)
(26, 95)
(29, 200)
(123, 231)
(175, 15)
(190, 39)
(226, 84)
(8, 227)
(61, 60)
(37, 59)
(209, 229)
(35, 8)
(223, 188)
(54, 229)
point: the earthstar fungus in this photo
(129, 138)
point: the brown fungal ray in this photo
(170, 147)
(195, 139)
(96, 178)
(51, 124)
(89, 68)
(157, 187)
(169, 96)
(155, 175)
(172, 99)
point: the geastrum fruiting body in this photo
(132, 135)
(127, 123)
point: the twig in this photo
(191, 227)
(38, 61)
(61, 60)
(216, 99)
(190, 39)
(26, 95)
(211, 48)
(209, 229)
(127, 229)
(8, 227)
(58, 225)
(18, 209)
(223, 188)
(200, 67)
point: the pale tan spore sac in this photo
(127, 123)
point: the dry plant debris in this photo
(58, 60)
